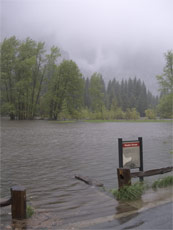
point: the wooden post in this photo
(141, 158)
(120, 141)
(18, 202)
(124, 177)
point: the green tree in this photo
(165, 106)
(165, 109)
(9, 51)
(87, 101)
(29, 77)
(97, 92)
(66, 86)
(23, 71)
(166, 79)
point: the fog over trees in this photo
(115, 38)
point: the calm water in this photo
(43, 156)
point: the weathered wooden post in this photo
(18, 202)
(124, 177)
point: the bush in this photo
(132, 114)
(29, 211)
(132, 192)
(150, 114)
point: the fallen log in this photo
(88, 181)
(151, 172)
(5, 203)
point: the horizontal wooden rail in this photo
(5, 203)
(151, 172)
(124, 174)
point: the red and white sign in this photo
(131, 154)
(131, 144)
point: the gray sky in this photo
(120, 38)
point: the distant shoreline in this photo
(142, 120)
(139, 120)
(116, 121)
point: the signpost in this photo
(131, 154)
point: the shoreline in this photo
(141, 120)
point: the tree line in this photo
(34, 84)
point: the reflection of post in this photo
(141, 157)
(124, 177)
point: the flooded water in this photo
(44, 156)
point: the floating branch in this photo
(88, 181)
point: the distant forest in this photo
(33, 84)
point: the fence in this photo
(17, 202)
(124, 174)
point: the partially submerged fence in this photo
(124, 174)
(17, 202)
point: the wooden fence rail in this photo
(5, 203)
(151, 172)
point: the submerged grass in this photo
(127, 193)
(162, 183)
(29, 211)
(135, 191)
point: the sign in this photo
(131, 154)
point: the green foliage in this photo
(129, 94)
(162, 183)
(131, 114)
(29, 211)
(127, 193)
(97, 92)
(33, 84)
(9, 109)
(166, 79)
(23, 70)
(65, 91)
(165, 106)
(135, 191)
(150, 114)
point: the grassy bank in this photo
(162, 183)
(116, 121)
(127, 193)
(64, 122)
(134, 121)
(135, 191)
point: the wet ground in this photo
(153, 211)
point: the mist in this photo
(118, 38)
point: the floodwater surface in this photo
(44, 156)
